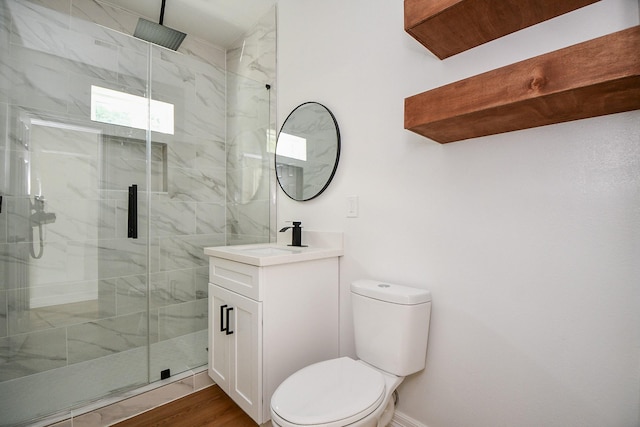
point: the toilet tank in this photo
(391, 325)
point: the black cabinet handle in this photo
(225, 319)
(132, 227)
(229, 331)
(222, 327)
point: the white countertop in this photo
(321, 245)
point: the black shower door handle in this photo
(132, 227)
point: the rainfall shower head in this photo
(158, 33)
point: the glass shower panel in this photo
(250, 154)
(73, 285)
(188, 214)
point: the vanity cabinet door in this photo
(236, 348)
(218, 339)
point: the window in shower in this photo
(124, 109)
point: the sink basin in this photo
(268, 251)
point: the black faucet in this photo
(296, 233)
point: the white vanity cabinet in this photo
(235, 346)
(268, 321)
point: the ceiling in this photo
(220, 22)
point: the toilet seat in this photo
(334, 392)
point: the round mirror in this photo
(307, 151)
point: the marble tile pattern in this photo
(81, 306)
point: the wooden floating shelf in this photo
(448, 27)
(589, 79)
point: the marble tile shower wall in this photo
(49, 60)
(251, 131)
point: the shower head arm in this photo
(162, 12)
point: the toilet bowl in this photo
(391, 325)
(337, 392)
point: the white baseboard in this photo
(401, 420)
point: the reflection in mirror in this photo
(247, 155)
(307, 151)
(250, 139)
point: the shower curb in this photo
(114, 409)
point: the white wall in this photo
(529, 241)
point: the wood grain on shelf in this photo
(593, 78)
(448, 27)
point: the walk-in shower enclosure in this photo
(119, 162)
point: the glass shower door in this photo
(73, 271)
(86, 113)
(187, 210)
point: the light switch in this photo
(352, 206)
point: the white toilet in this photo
(391, 326)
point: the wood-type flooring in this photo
(206, 408)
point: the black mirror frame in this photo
(338, 149)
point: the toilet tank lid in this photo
(389, 292)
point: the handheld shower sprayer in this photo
(37, 218)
